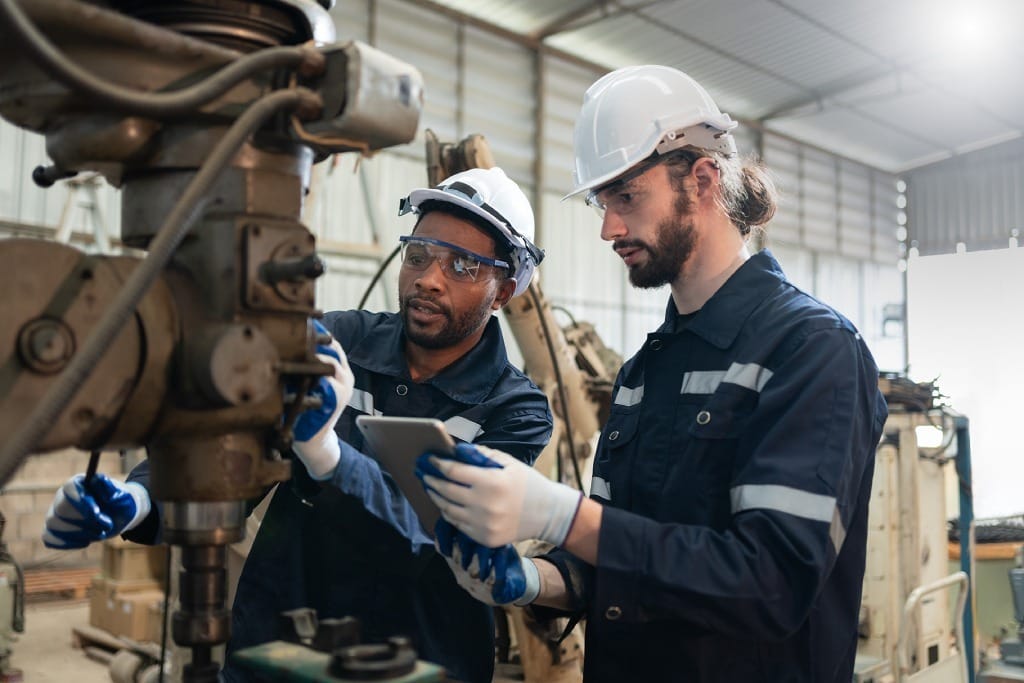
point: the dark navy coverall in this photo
(735, 472)
(353, 545)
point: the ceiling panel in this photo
(891, 83)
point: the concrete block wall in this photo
(27, 497)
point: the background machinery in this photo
(916, 621)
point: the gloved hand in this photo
(316, 444)
(497, 505)
(494, 576)
(81, 514)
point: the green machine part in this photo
(294, 663)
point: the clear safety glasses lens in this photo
(594, 203)
(457, 264)
(609, 190)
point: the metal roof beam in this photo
(565, 21)
(573, 21)
(502, 32)
(830, 90)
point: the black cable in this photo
(561, 388)
(167, 606)
(90, 471)
(170, 234)
(565, 310)
(377, 275)
(159, 104)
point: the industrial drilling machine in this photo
(207, 115)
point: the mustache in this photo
(628, 244)
(431, 302)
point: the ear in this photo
(705, 173)
(506, 288)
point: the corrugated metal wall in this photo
(976, 199)
(834, 234)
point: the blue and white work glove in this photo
(316, 444)
(81, 513)
(494, 576)
(500, 502)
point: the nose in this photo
(432, 277)
(612, 227)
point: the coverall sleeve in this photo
(800, 461)
(359, 475)
(522, 433)
(150, 531)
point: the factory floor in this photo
(44, 652)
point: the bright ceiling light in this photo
(968, 32)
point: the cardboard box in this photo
(131, 617)
(156, 622)
(122, 608)
(101, 605)
(127, 561)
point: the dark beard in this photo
(453, 332)
(676, 242)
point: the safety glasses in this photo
(611, 196)
(457, 264)
(617, 196)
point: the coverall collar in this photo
(722, 316)
(470, 379)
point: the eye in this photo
(415, 256)
(624, 201)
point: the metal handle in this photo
(913, 602)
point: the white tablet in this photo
(396, 442)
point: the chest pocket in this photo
(620, 430)
(715, 423)
(618, 443)
(698, 480)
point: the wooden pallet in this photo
(58, 584)
(988, 551)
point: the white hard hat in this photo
(633, 112)
(494, 197)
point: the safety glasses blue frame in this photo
(457, 263)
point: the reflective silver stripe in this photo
(629, 397)
(461, 428)
(837, 532)
(701, 381)
(748, 375)
(601, 488)
(362, 401)
(783, 499)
